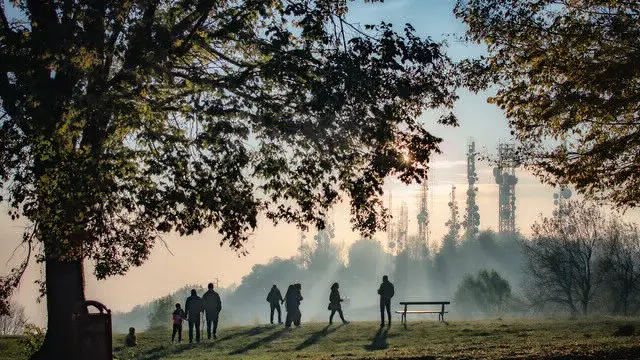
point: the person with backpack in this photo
(212, 308)
(334, 304)
(193, 307)
(178, 316)
(386, 292)
(274, 298)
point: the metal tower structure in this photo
(391, 229)
(561, 196)
(303, 238)
(472, 217)
(505, 176)
(402, 228)
(559, 199)
(423, 215)
(453, 223)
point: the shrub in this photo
(32, 339)
(485, 294)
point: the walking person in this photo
(178, 316)
(274, 298)
(386, 292)
(193, 307)
(212, 308)
(335, 304)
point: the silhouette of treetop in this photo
(125, 120)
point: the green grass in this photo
(590, 338)
(494, 339)
(10, 348)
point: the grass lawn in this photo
(590, 338)
(493, 339)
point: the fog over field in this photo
(278, 254)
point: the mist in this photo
(417, 271)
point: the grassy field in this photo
(590, 338)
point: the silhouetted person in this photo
(334, 304)
(193, 307)
(292, 304)
(178, 316)
(298, 318)
(275, 299)
(212, 308)
(386, 292)
(130, 339)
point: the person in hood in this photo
(212, 308)
(192, 308)
(386, 292)
(274, 298)
(335, 304)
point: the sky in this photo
(198, 259)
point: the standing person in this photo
(298, 314)
(178, 316)
(386, 292)
(274, 298)
(193, 307)
(291, 301)
(212, 308)
(334, 304)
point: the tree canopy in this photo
(566, 74)
(123, 120)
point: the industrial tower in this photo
(391, 229)
(472, 217)
(559, 199)
(423, 215)
(453, 223)
(402, 228)
(506, 179)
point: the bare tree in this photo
(13, 324)
(563, 259)
(622, 258)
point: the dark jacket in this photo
(274, 296)
(177, 316)
(212, 302)
(334, 297)
(386, 290)
(292, 298)
(193, 306)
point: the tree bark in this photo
(65, 298)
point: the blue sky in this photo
(165, 272)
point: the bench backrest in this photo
(425, 303)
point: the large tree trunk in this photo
(65, 298)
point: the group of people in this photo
(211, 305)
(293, 298)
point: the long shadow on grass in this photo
(379, 341)
(249, 332)
(160, 352)
(315, 337)
(258, 343)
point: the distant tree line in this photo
(582, 262)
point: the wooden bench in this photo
(403, 313)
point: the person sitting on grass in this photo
(178, 316)
(130, 339)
